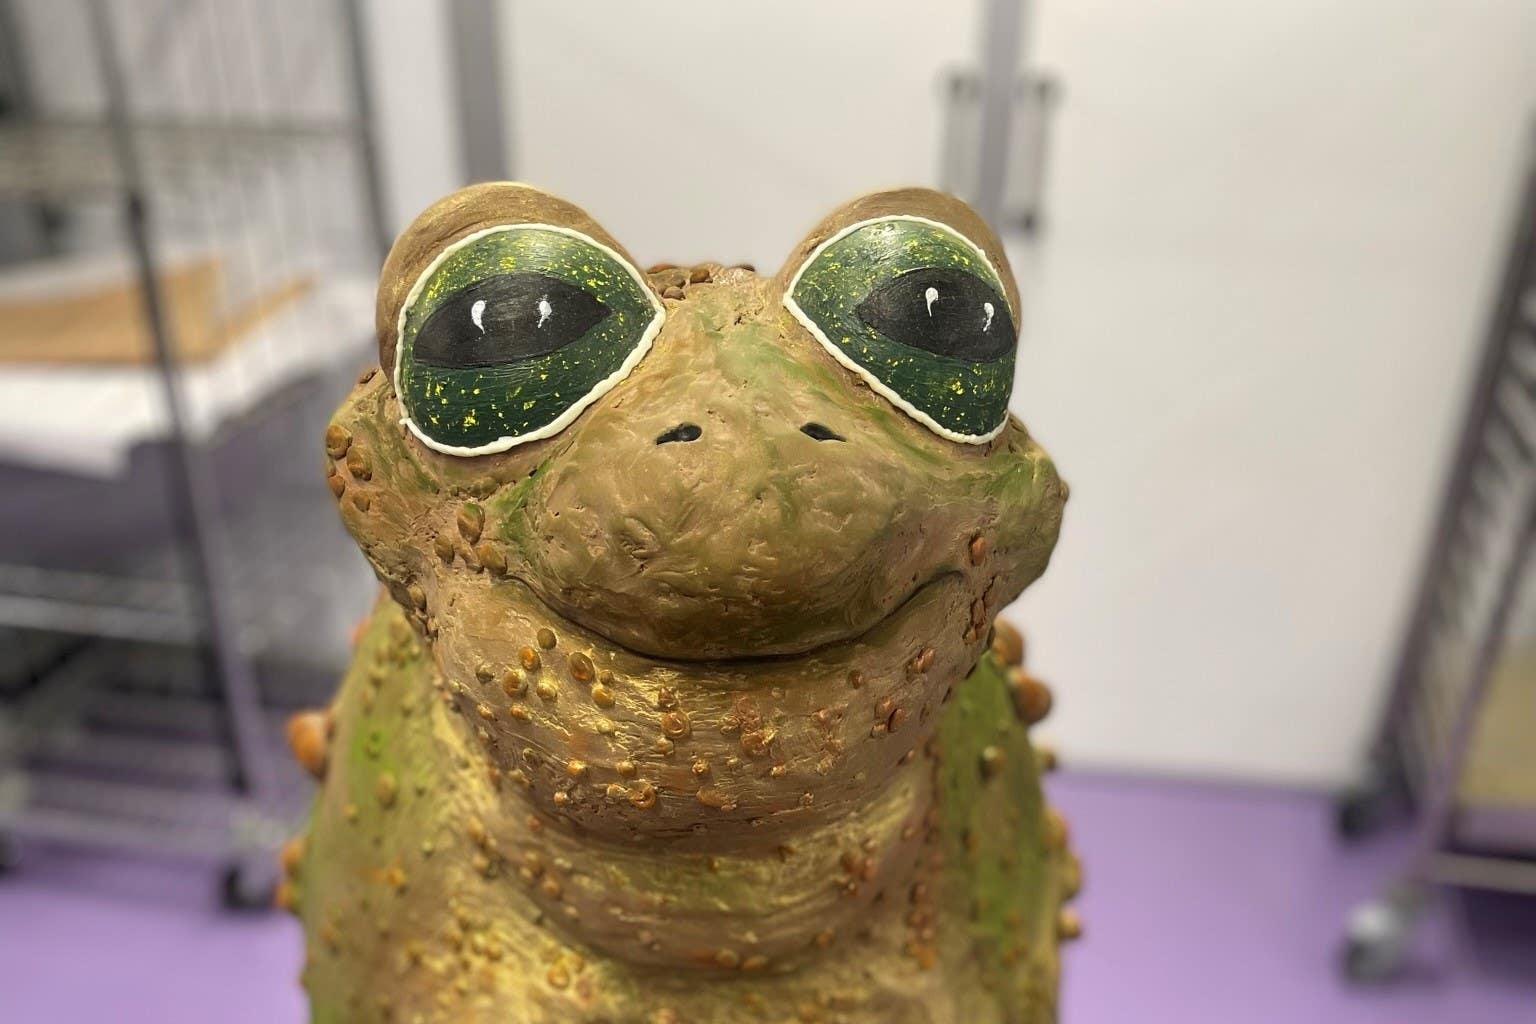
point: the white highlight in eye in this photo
(987, 306)
(836, 352)
(932, 296)
(503, 443)
(545, 310)
(476, 312)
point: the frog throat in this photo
(790, 742)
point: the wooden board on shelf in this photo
(1501, 764)
(93, 315)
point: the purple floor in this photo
(1225, 905)
(1203, 904)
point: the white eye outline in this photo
(879, 386)
(576, 408)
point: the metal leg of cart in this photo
(1378, 931)
(1378, 795)
(250, 876)
(1479, 557)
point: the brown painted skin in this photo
(694, 732)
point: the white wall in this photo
(408, 50)
(726, 131)
(1273, 229)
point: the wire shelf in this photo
(69, 159)
(156, 721)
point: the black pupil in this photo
(944, 311)
(504, 319)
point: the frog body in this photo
(681, 703)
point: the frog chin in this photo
(688, 652)
(623, 744)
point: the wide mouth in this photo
(911, 604)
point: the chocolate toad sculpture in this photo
(683, 706)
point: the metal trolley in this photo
(1474, 579)
(137, 696)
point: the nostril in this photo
(821, 433)
(681, 432)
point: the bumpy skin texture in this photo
(700, 732)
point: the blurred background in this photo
(1278, 265)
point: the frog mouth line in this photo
(821, 649)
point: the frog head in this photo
(572, 473)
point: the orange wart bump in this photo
(580, 667)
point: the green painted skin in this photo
(472, 408)
(997, 859)
(969, 398)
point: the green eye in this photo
(920, 313)
(513, 331)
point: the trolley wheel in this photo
(1357, 813)
(1376, 940)
(242, 889)
(1361, 809)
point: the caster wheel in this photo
(1357, 813)
(242, 890)
(1362, 809)
(1375, 941)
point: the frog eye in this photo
(513, 331)
(919, 312)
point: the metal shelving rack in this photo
(171, 747)
(1479, 561)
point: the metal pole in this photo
(479, 88)
(363, 115)
(192, 498)
(1002, 33)
(1439, 807)
(47, 217)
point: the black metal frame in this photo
(243, 825)
(1479, 556)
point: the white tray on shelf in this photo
(87, 419)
